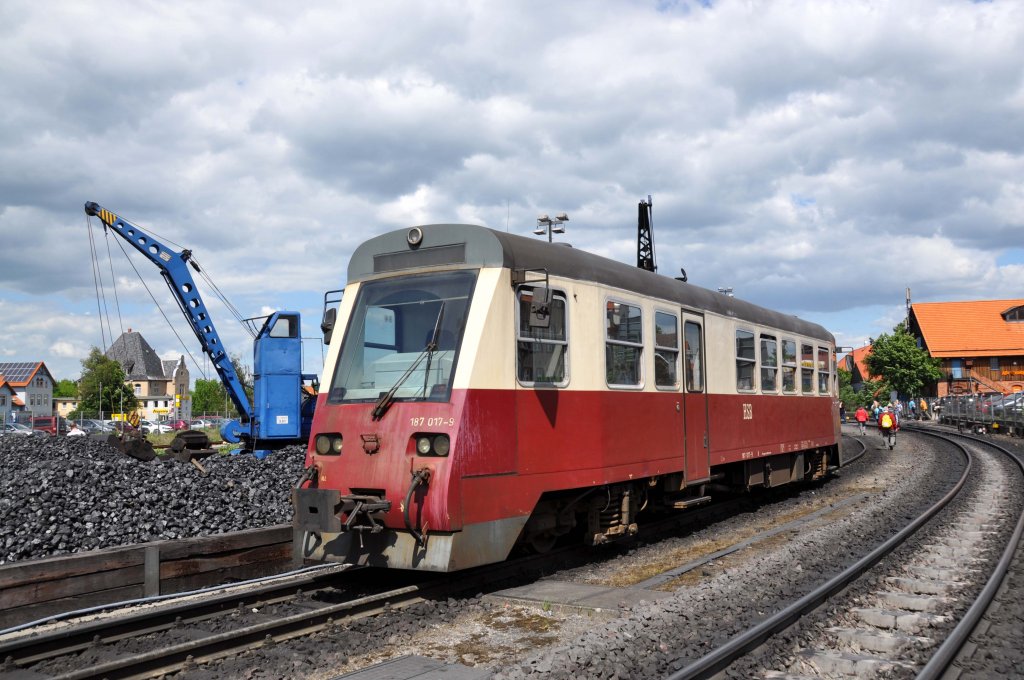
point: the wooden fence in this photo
(40, 588)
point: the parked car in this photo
(53, 425)
(22, 430)
(120, 426)
(149, 427)
(201, 424)
(179, 424)
(93, 426)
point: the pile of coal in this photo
(62, 495)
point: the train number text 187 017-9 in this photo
(439, 421)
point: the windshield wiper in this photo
(432, 347)
(387, 398)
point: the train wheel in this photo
(542, 542)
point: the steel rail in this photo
(32, 648)
(179, 657)
(944, 656)
(720, 658)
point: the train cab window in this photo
(624, 339)
(403, 338)
(745, 360)
(666, 350)
(692, 342)
(540, 351)
(823, 372)
(807, 369)
(769, 363)
(789, 366)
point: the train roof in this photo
(464, 245)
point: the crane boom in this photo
(172, 265)
(281, 414)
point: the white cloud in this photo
(779, 140)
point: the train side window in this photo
(769, 363)
(694, 374)
(807, 369)
(789, 366)
(745, 360)
(541, 352)
(666, 350)
(623, 344)
(823, 370)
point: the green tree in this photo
(846, 393)
(901, 364)
(102, 389)
(244, 375)
(65, 388)
(208, 397)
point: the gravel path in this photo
(656, 638)
(62, 495)
(651, 640)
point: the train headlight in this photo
(323, 444)
(414, 237)
(328, 444)
(429, 444)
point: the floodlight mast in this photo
(551, 225)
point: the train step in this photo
(684, 503)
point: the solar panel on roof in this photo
(18, 371)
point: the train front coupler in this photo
(329, 511)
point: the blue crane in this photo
(282, 413)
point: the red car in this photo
(53, 425)
(179, 425)
(120, 427)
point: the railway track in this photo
(179, 635)
(911, 615)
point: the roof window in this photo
(1014, 314)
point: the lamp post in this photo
(551, 225)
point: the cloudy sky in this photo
(817, 157)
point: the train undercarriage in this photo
(610, 513)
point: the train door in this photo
(695, 400)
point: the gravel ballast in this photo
(63, 495)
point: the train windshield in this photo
(404, 336)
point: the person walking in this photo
(888, 424)
(861, 416)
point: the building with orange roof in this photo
(7, 397)
(32, 384)
(854, 362)
(980, 343)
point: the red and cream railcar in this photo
(484, 390)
